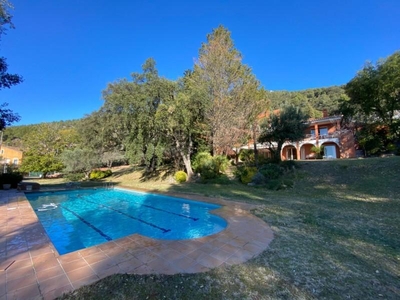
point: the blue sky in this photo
(68, 50)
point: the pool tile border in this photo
(30, 266)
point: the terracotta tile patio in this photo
(31, 268)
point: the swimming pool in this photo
(83, 218)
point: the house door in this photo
(291, 153)
(303, 153)
(330, 152)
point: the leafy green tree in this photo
(80, 160)
(374, 95)
(103, 132)
(136, 103)
(43, 149)
(181, 120)
(7, 117)
(228, 90)
(289, 125)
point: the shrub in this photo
(180, 176)
(221, 163)
(271, 171)
(99, 174)
(200, 160)
(319, 151)
(74, 176)
(11, 178)
(209, 167)
(246, 174)
(246, 155)
(258, 179)
(288, 165)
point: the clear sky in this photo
(68, 50)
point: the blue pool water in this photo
(83, 218)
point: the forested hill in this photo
(15, 135)
(312, 101)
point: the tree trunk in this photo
(186, 156)
(255, 146)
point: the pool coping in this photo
(30, 266)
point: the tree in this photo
(135, 105)
(374, 95)
(103, 132)
(181, 119)
(80, 160)
(228, 90)
(43, 149)
(7, 117)
(289, 125)
(6, 79)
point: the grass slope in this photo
(337, 236)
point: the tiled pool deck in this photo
(31, 268)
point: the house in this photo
(10, 155)
(337, 142)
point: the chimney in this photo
(324, 113)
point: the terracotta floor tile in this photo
(70, 257)
(146, 257)
(59, 291)
(54, 283)
(123, 242)
(170, 254)
(121, 257)
(144, 269)
(209, 261)
(85, 281)
(96, 257)
(90, 251)
(197, 254)
(27, 292)
(21, 264)
(15, 284)
(74, 265)
(38, 250)
(103, 273)
(80, 273)
(102, 265)
(221, 254)
(229, 248)
(47, 274)
(20, 272)
(6, 264)
(45, 261)
(253, 248)
(108, 246)
(184, 263)
(130, 265)
(207, 248)
(3, 289)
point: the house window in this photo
(15, 161)
(323, 131)
(312, 132)
(2, 151)
(330, 152)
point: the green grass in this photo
(337, 236)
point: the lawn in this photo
(337, 236)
